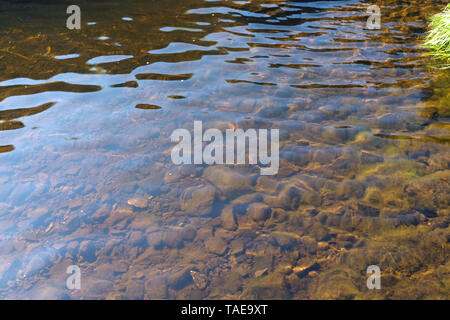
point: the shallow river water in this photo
(86, 176)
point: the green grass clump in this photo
(438, 39)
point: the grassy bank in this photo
(438, 38)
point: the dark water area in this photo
(86, 176)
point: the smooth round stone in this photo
(259, 211)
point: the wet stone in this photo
(322, 245)
(180, 279)
(216, 245)
(338, 134)
(198, 201)
(105, 272)
(389, 122)
(408, 218)
(368, 158)
(267, 184)
(87, 250)
(228, 181)
(300, 156)
(45, 292)
(324, 156)
(144, 221)
(260, 273)
(137, 238)
(336, 284)
(244, 200)
(36, 265)
(285, 240)
(139, 202)
(307, 245)
(263, 260)
(175, 237)
(349, 189)
(112, 247)
(429, 192)
(313, 274)
(172, 176)
(304, 269)
(237, 247)
(319, 232)
(118, 216)
(272, 111)
(39, 216)
(72, 247)
(156, 288)
(259, 211)
(200, 280)
(289, 198)
(271, 286)
(135, 290)
(228, 218)
(98, 287)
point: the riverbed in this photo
(86, 176)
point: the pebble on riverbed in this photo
(139, 202)
(228, 181)
(216, 245)
(259, 212)
(198, 201)
(228, 218)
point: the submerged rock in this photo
(109, 271)
(267, 184)
(97, 287)
(36, 265)
(200, 280)
(228, 218)
(139, 202)
(156, 288)
(389, 122)
(176, 237)
(87, 250)
(304, 269)
(135, 290)
(198, 201)
(337, 284)
(285, 240)
(173, 237)
(373, 196)
(259, 211)
(180, 279)
(272, 111)
(288, 198)
(340, 133)
(237, 247)
(260, 273)
(430, 192)
(228, 181)
(271, 286)
(368, 158)
(137, 239)
(350, 189)
(216, 245)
